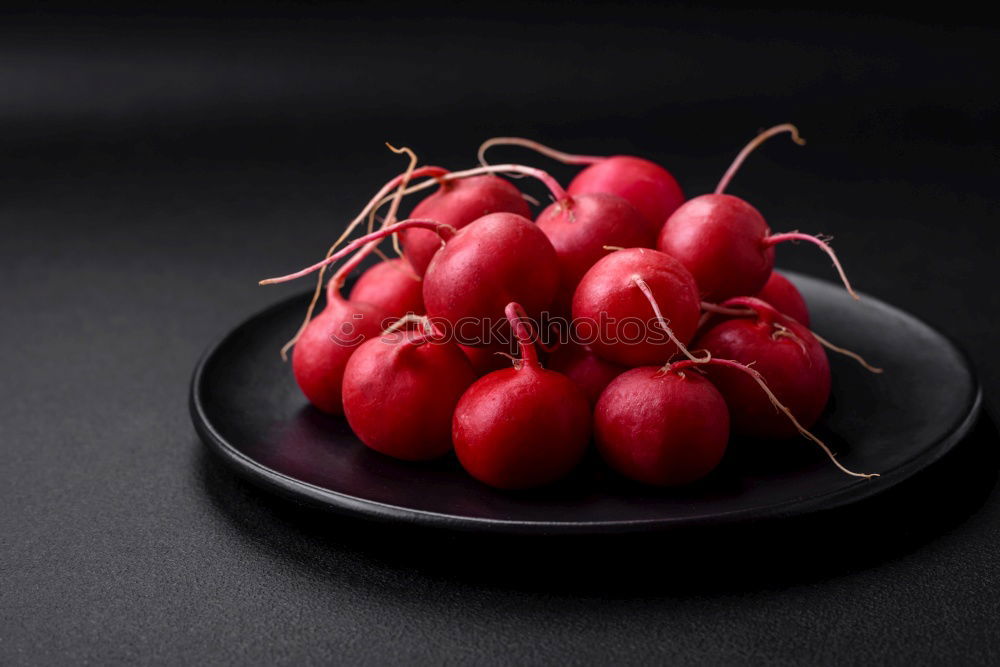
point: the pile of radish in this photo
(623, 315)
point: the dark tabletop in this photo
(152, 168)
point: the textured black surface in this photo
(248, 409)
(153, 168)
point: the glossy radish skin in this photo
(393, 286)
(721, 240)
(521, 427)
(326, 344)
(590, 373)
(580, 227)
(499, 258)
(790, 359)
(650, 188)
(661, 428)
(457, 203)
(608, 294)
(779, 292)
(400, 391)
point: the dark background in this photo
(154, 166)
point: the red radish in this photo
(590, 373)
(650, 188)
(724, 241)
(779, 292)
(581, 227)
(400, 391)
(500, 256)
(496, 259)
(787, 355)
(661, 427)
(457, 203)
(393, 286)
(326, 344)
(521, 427)
(622, 293)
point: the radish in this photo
(521, 427)
(619, 296)
(400, 390)
(787, 355)
(650, 188)
(661, 427)
(590, 373)
(779, 292)
(457, 203)
(724, 241)
(500, 256)
(326, 344)
(581, 228)
(393, 286)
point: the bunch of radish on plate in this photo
(672, 329)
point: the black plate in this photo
(247, 408)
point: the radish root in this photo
(759, 379)
(798, 236)
(847, 353)
(445, 231)
(565, 158)
(383, 191)
(749, 311)
(648, 293)
(750, 147)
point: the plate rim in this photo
(346, 504)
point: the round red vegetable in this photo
(580, 227)
(660, 426)
(521, 427)
(779, 292)
(393, 286)
(646, 185)
(724, 241)
(496, 259)
(590, 373)
(787, 356)
(457, 203)
(328, 341)
(623, 293)
(400, 391)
